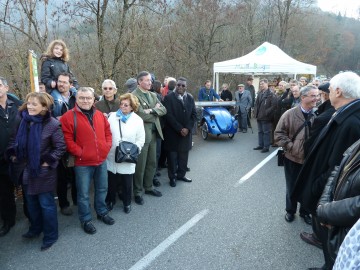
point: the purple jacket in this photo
(52, 149)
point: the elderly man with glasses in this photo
(109, 103)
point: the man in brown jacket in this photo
(291, 132)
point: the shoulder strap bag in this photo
(126, 151)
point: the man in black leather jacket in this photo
(339, 205)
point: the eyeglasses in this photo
(107, 88)
(312, 96)
(181, 85)
(85, 98)
(124, 105)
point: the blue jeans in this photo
(43, 215)
(84, 175)
(264, 128)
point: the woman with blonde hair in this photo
(39, 144)
(54, 62)
(132, 130)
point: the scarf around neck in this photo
(123, 117)
(28, 140)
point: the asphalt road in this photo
(212, 223)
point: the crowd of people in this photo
(317, 125)
(65, 122)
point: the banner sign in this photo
(34, 78)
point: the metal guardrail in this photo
(214, 103)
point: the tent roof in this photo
(265, 59)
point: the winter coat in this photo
(92, 143)
(339, 205)
(323, 115)
(107, 107)
(286, 129)
(51, 68)
(52, 148)
(151, 121)
(179, 115)
(7, 126)
(203, 96)
(60, 105)
(132, 131)
(243, 104)
(265, 105)
(226, 95)
(326, 153)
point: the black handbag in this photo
(126, 151)
(280, 157)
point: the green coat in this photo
(149, 119)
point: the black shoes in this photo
(30, 235)
(172, 182)
(88, 227)
(307, 218)
(258, 148)
(5, 229)
(156, 183)
(264, 150)
(127, 209)
(289, 217)
(153, 192)
(46, 246)
(106, 219)
(139, 200)
(310, 239)
(185, 179)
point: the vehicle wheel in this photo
(231, 135)
(204, 131)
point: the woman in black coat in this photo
(39, 143)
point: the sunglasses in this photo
(124, 105)
(107, 88)
(181, 85)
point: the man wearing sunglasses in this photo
(180, 118)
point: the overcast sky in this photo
(349, 6)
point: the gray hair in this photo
(86, 89)
(348, 82)
(306, 89)
(113, 84)
(4, 81)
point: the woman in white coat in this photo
(132, 129)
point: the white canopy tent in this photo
(266, 59)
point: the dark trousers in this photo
(7, 200)
(43, 215)
(65, 176)
(126, 187)
(177, 164)
(163, 156)
(292, 170)
(321, 233)
(264, 128)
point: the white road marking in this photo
(255, 169)
(145, 261)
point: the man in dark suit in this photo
(326, 152)
(150, 110)
(180, 119)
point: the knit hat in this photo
(131, 84)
